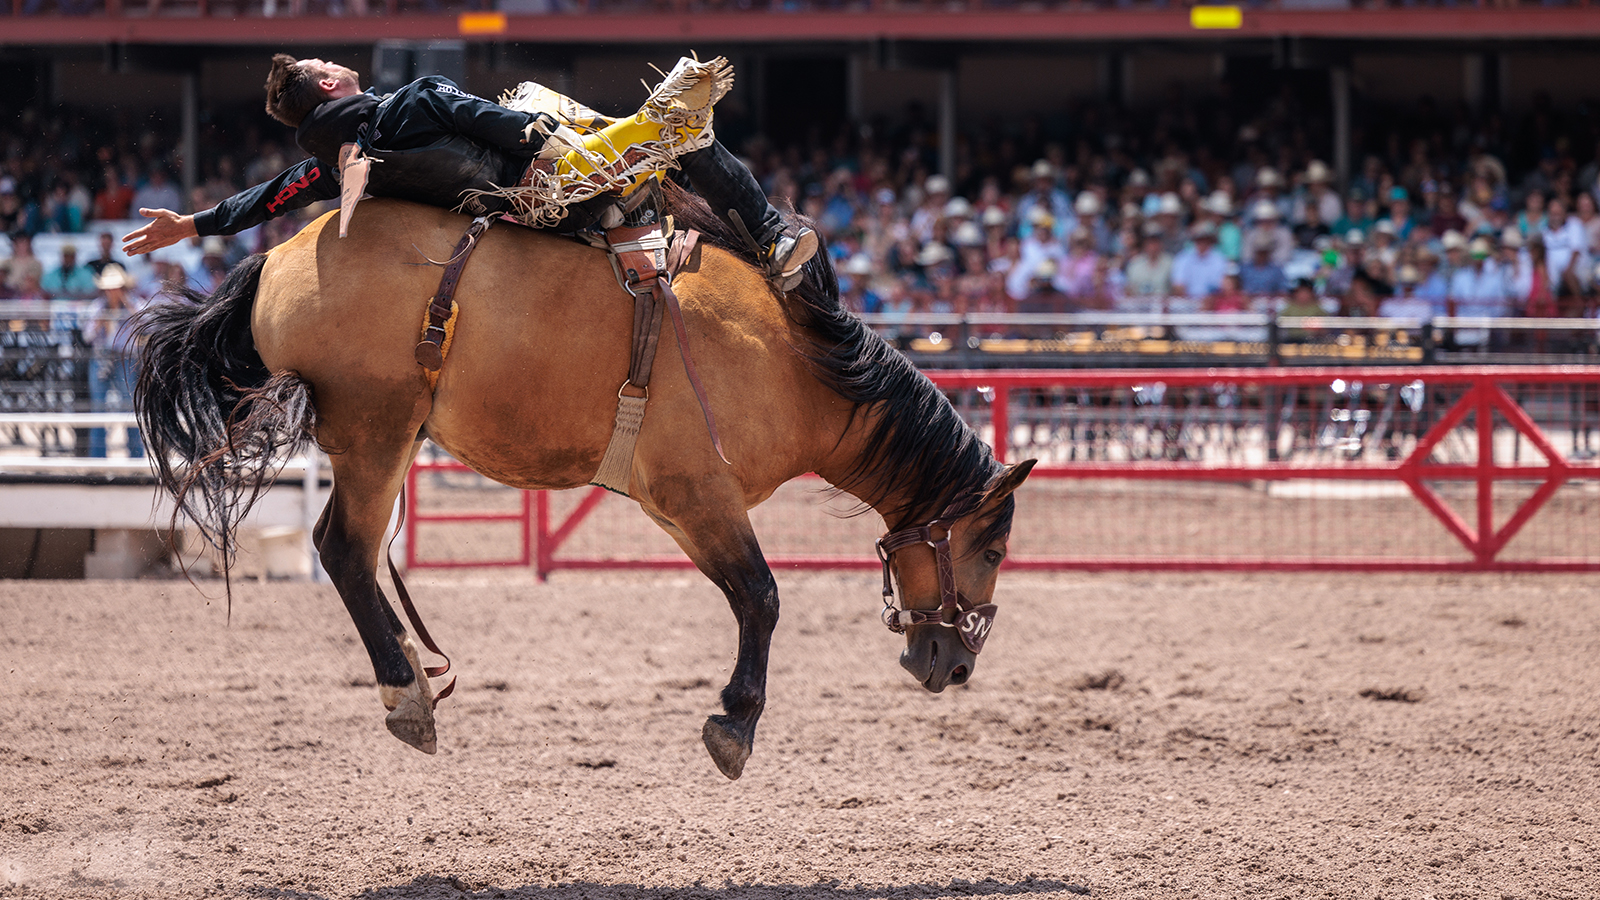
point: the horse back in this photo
(528, 392)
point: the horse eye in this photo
(992, 557)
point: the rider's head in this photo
(296, 86)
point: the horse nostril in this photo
(958, 675)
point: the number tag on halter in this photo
(974, 625)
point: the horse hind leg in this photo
(349, 536)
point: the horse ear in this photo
(1009, 480)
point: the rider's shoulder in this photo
(437, 85)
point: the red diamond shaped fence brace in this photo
(1481, 401)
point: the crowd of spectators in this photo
(1444, 228)
(1179, 209)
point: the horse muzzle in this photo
(936, 657)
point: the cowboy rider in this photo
(437, 144)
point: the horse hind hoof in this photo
(411, 717)
(729, 749)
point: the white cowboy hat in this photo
(1264, 209)
(112, 277)
(958, 208)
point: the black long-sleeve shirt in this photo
(411, 132)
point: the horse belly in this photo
(528, 395)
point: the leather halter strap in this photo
(972, 622)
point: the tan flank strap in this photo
(438, 326)
(411, 611)
(646, 261)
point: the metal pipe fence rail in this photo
(48, 366)
(1347, 469)
(1101, 339)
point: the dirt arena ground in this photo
(1124, 736)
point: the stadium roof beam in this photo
(1071, 25)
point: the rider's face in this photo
(336, 80)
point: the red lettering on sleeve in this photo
(294, 187)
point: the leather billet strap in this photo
(429, 352)
(972, 622)
(641, 261)
(645, 261)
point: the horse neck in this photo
(900, 494)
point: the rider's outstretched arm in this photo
(296, 187)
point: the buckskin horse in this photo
(314, 341)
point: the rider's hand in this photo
(165, 229)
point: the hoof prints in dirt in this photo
(1396, 695)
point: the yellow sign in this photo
(1216, 16)
(481, 23)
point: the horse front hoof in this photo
(414, 730)
(729, 749)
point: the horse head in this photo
(946, 570)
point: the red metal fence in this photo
(1464, 469)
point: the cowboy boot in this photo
(734, 194)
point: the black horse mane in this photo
(918, 435)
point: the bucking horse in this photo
(313, 342)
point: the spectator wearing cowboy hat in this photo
(1432, 284)
(1198, 269)
(112, 370)
(1148, 275)
(1217, 208)
(1477, 288)
(1515, 265)
(1384, 245)
(1260, 276)
(1039, 246)
(1090, 212)
(931, 210)
(1075, 274)
(1317, 196)
(1168, 214)
(1270, 189)
(1454, 245)
(1405, 304)
(1267, 225)
(1045, 195)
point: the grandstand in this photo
(1003, 185)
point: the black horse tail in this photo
(217, 424)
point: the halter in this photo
(972, 622)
